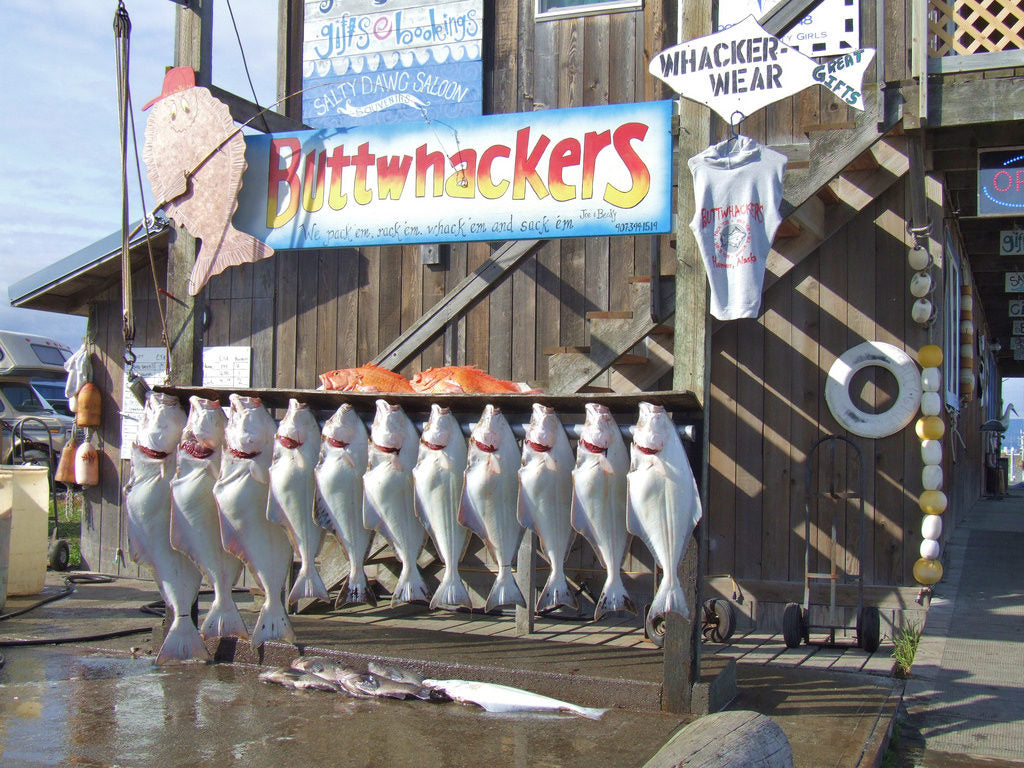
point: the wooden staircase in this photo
(858, 164)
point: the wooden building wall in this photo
(306, 312)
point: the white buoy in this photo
(931, 527)
(930, 549)
(931, 404)
(931, 452)
(921, 312)
(931, 379)
(931, 477)
(920, 285)
(919, 258)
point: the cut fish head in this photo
(597, 428)
(388, 430)
(543, 429)
(438, 431)
(250, 429)
(488, 430)
(344, 427)
(162, 422)
(206, 423)
(653, 428)
(298, 427)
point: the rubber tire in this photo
(59, 556)
(870, 629)
(792, 625)
(724, 620)
(655, 631)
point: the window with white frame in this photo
(556, 9)
(951, 326)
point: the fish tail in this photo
(272, 624)
(556, 592)
(182, 642)
(451, 592)
(356, 591)
(614, 597)
(668, 597)
(308, 584)
(505, 591)
(236, 247)
(223, 620)
(592, 713)
(410, 586)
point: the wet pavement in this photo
(62, 707)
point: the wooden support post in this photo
(193, 47)
(692, 352)
(526, 578)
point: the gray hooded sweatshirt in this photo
(737, 187)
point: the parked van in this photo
(25, 358)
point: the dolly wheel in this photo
(719, 620)
(792, 625)
(59, 555)
(870, 624)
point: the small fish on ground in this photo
(290, 678)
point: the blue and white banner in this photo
(580, 172)
(367, 62)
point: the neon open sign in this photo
(1001, 182)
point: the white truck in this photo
(32, 431)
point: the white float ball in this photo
(966, 350)
(931, 477)
(931, 379)
(921, 312)
(930, 548)
(919, 258)
(920, 285)
(931, 527)
(931, 452)
(931, 403)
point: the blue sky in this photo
(60, 186)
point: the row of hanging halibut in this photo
(203, 498)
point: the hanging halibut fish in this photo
(743, 68)
(664, 505)
(339, 483)
(388, 505)
(489, 500)
(195, 158)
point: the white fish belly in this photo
(665, 511)
(247, 533)
(292, 489)
(341, 488)
(494, 496)
(601, 509)
(195, 527)
(438, 492)
(547, 494)
(390, 491)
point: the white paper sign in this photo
(1017, 343)
(227, 367)
(150, 363)
(744, 68)
(833, 27)
(1011, 242)
(1018, 328)
(1017, 308)
(1014, 282)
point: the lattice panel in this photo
(963, 27)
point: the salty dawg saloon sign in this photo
(375, 62)
(744, 68)
(556, 173)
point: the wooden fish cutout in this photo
(195, 158)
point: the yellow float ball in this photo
(930, 356)
(930, 428)
(932, 502)
(927, 572)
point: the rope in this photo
(122, 35)
(245, 65)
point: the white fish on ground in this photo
(195, 519)
(489, 500)
(504, 698)
(339, 481)
(545, 499)
(241, 492)
(664, 504)
(293, 492)
(438, 477)
(147, 500)
(388, 505)
(599, 502)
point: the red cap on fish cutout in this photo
(175, 80)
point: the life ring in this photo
(892, 359)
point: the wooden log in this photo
(737, 739)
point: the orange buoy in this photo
(66, 466)
(87, 414)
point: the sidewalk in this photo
(964, 701)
